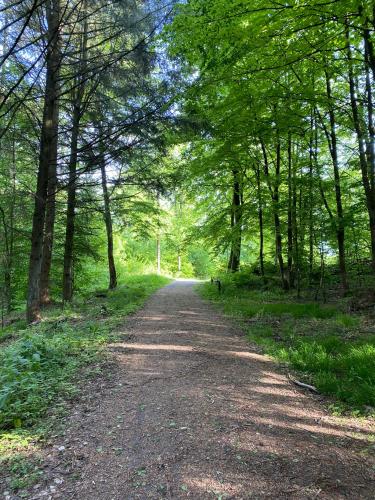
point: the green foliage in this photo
(39, 366)
(270, 96)
(327, 346)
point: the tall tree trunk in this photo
(276, 200)
(260, 219)
(312, 161)
(367, 175)
(158, 237)
(108, 225)
(235, 258)
(274, 192)
(340, 230)
(290, 217)
(68, 279)
(45, 297)
(47, 156)
(70, 211)
(298, 229)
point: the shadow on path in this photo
(194, 412)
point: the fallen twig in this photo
(302, 384)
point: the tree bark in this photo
(340, 230)
(68, 277)
(274, 192)
(70, 211)
(290, 217)
(158, 237)
(260, 219)
(235, 257)
(47, 156)
(312, 162)
(108, 225)
(45, 296)
(367, 175)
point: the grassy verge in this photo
(39, 367)
(330, 349)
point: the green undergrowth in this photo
(328, 348)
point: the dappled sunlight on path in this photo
(195, 412)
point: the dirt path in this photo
(194, 412)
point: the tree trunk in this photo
(108, 225)
(367, 177)
(274, 192)
(158, 236)
(68, 278)
(70, 211)
(47, 156)
(290, 217)
(45, 297)
(235, 258)
(260, 219)
(312, 162)
(158, 254)
(340, 231)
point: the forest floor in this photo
(190, 409)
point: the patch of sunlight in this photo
(250, 355)
(16, 441)
(275, 391)
(164, 317)
(315, 429)
(218, 487)
(274, 375)
(158, 347)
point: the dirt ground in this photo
(193, 411)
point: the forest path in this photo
(193, 411)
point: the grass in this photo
(328, 348)
(40, 367)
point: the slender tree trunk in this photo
(108, 225)
(340, 231)
(312, 162)
(158, 254)
(367, 175)
(235, 258)
(274, 192)
(298, 230)
(290, 217)
(230, 261)
(158, 238)
(260, 219)
(70, 211)
(68, 276)
(45, 297)
(276, 200)
(47, 157)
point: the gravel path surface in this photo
(194, 411)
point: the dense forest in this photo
(282, 97)
(85, 124)
(234, 132)
(229, 141)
